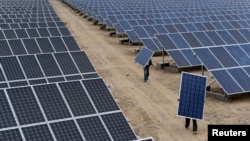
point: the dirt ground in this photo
(151, 107)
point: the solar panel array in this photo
(49, 89)
(192, 96)
(212, 33)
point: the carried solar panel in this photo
(143, 56)
(192, 96)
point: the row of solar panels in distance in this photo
(161, 4)
(37, 45)
(29, 15)
(184, 40)
(27, 11)
(163, 14)
(67, 108)
(29, 20)
(35, 69)
(24, 33)
(166, 14)
(31, 25)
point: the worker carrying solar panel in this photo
(146, 70)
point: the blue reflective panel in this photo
(171, 29)
(11, 135)
(37, 133)
(224, 57)
(43, 32)
(192, 96)
(48, 65)
(100, 95)
(142, 22)
(30, 66)
(179, 59)
(92, 125)
(179, 41)
(161, 29)
(241, 77)
(140, 32)
(25, 105)
(143, 56)
(58, 44)
(66, 63)
(4, 48)
(149, 43)
(237, 36)
(227, 25)
(77, 98)
(21, 33)
(180, 27)
(150, 30)
(82, 61)
(235, 24)
(31, 46)
(207, 58)
(190, 27)
(202, 37)
(70, 43)
(159, 21)
(238, 54)
(45, 45)
(246, 48)
(200, 26)
(133, 37)
(217, 25)
(245, 33)
(243, 24)
(12, 68)
(215, 38)
(114, 122)
(189, 54)
(191, 39)
(7, 117)
(226, 81)
(52, 101)
(125, 25)
(17, 47)
(209, 26)
(166, 42)
(226, 37)
(66, 131)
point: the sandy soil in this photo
(151, 107)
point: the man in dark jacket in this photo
(146, 70)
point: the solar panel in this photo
(4, 48)
(31, 46)
(48, 65)
(65, 134)
(11, 68)
(192, 96)
(66, 63)
(21, 33)
(113, 122)
(30, 66)
(93, 124)
(11, 135)
(54, 32)
(52, 102)
(32, 32)
(43, 32)
(10, 34)
(37, 133)
(77, 98)
(24, 103)
(70, 43)
(82, 62)
(143, 56)
(58, 44)
(100, 95)
(17, 47)
(45, 45)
